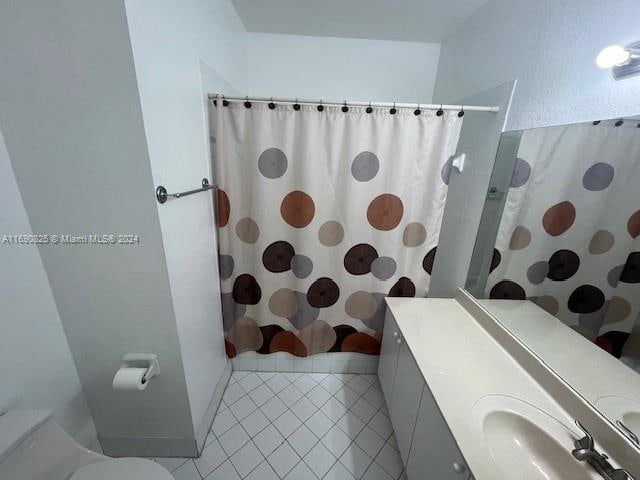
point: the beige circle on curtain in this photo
(245, 335)
(331, 233)
(318, 337)
(520, 238)
(548, 303)
(631, 347)
(618, 310)
(247, 230)
(601, 242)
(361, 305)
(283, 303)
(414, 235)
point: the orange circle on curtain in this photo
(224, 208)
(297, 209)
(385, 212)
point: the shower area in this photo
(324, 209)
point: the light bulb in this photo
(612, 56)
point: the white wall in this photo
(72, 123)
(182, 50)
(550, 47)
(341, 68)
(36, 368)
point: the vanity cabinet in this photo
(427, 448)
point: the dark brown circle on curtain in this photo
(268, 332)
(613, 342)
(342, 332)
(277, 256)
(385, 212)
(586, 299)
(223, 208)
(496, 258)
(246, 290)
(633, 225)
(288, 342)
(559, 218)
(563, 264)
(359, 258)
(360, 342)
(507, 290)
(297, 209)
(323, 293)
(631, 271)
(403, 288)
(427, 261)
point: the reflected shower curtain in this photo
(569, 233)
(321, 214)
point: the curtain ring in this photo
(461, 112)
(393, 109)
(345, 109)
(272, 105)
(225, 102)
(247, 103)
(320, 107)
(296, 106)
(417, 111)
(369, 108)
(619, 123)
(440, 111)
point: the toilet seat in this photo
(122, 469)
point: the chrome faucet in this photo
(585, 452)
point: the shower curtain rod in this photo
(421, 106)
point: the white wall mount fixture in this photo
(458, 162)
(624, 62)
(136, 371)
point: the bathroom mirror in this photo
(557, 256)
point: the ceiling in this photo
(407, 20)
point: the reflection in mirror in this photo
(561, 228)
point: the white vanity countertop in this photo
(550, 339)
(462, 363)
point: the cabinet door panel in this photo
(407, 390)
(388, 357)
(433, 450)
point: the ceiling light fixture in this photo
(624, 62)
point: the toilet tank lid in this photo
(16, 425)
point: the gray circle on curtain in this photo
(365, 166)
(301, 266)
(272, 163)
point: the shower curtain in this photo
(322, 214)
(569, 233)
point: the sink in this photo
(526, 443)
(620, 408)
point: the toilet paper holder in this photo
(142, 360)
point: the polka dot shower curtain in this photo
(569, 234)
(321, 214)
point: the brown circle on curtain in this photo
(268, 333)
(586, 299)
(563, 264)
(507, 290)
(360, 342)
(559, 218)
(323, 293)
(359, 258)
(403, 288)
(342, 332)
(223, 208)
(297, 209)
(288, 342)
(427, 261)
(633, 225)
(246, 290)
(277, 256)
(385, 212)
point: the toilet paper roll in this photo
(130, 379)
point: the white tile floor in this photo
(297, 426)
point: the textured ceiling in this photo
(408, 20)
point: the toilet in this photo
(34, 447)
